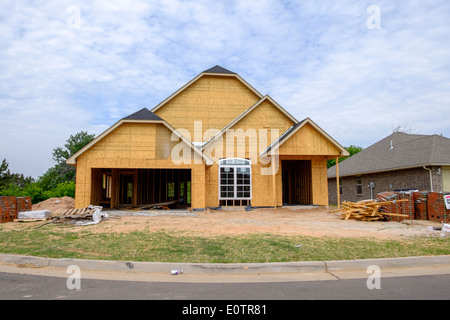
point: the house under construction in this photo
(215, 142)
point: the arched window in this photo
(235, 179)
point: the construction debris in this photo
(153, 206)
(81, 217)
(367, 210)
(34, 215)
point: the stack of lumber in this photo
(366, 210)
(153, 206)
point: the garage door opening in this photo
(141, 187)
(296, 178)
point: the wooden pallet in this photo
(70, 212)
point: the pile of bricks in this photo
(11, 206)
(421, 205)
(403, 209)
(436, 208)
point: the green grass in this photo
(165, 246)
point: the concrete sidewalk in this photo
(229, 268)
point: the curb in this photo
(229, 268)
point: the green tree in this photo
(62, 172)
(352, 150)
(8, 179)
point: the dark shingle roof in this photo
(218, 69)
(397, 151)
(143, 114)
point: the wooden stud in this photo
(337, 184)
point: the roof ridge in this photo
(143, 114)
(218, 69)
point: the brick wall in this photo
(417, 178)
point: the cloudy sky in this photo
(357, 68)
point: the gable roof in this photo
(292, 130)
(245, 113)
(142, 116)
(214, 71)
(395, 152)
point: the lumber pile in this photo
(367, 210)
(152, 206)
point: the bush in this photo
(37, 192)
(64, 189)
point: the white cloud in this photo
(316, 58)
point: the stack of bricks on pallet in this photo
(431, 206)
(437, 210)
(10, 207)
(404, 207)
(420, 205)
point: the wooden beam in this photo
(337, 184)
(274, 183)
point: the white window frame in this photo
(236, 164)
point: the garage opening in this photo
(296, 179)
(164, 185)
(141, 187)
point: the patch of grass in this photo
(165, 246)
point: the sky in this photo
(358, 69)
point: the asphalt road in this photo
(24, 287)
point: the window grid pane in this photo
(234, 179)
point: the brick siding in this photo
(417, 178)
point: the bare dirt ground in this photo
(286, 221)
(309, 222)
(55, 205)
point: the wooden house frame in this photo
(214, 142)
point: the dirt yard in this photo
(286, 221)
(308, 222)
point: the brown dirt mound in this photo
(55, 205)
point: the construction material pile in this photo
(55, 205)
(81, 217)
(368, 210)
(11, 206)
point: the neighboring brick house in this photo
(398, 162)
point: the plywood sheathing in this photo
(130, 146)
(215, 100)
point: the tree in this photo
(12, 179)
(62, 172)
(74, 144)
(352, 150)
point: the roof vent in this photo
(391, 146)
